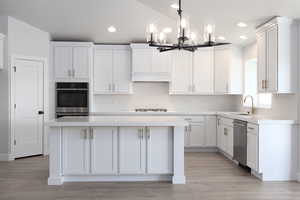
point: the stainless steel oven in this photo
(72, 99)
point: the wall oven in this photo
(72, 99)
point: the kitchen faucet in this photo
(252, 104)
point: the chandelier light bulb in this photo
(152, 28)
(183, 23)
(209, 29)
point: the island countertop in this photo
(118, 121)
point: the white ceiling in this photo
(88, 19)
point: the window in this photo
(260, 100)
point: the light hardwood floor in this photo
(209, 177)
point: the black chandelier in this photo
(186, 39)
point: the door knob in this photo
(41, 112)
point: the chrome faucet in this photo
(252, 103)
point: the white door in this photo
(63, 62)
(211, 131)
(261, 60)
(103, 65)
(197, 134)
(222, 62)
(142, 60)
(203, 71)
(104, 141)
(28, 95)
(159, 150)
(272, 59)
(182, 72)
(81, 60)
(75, 151)
(121, 71)
(132, 148)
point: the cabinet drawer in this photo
(253, 128)
(226, 121)
(195, 119)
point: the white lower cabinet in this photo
(159, 150)
(113, 150)
(104, 156)
(132, 145)
(201, 132)
(225, 135)
(252, 147)
(75, 151)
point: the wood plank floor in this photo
(209, 177)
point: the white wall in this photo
(22, 40)
(284, 106)
(148, 95)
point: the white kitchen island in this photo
(112, 149)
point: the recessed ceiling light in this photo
(242, 24)
(167, 30)
(175, 6)
(243, 37)
(111, 29)
(221, 38)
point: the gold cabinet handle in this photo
(84, 134)
(148, 132)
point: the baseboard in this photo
(200, 149)
(6, 157)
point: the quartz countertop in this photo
(118, 121)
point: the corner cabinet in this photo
(277, 56)
(149, 65)
(71, 60)
(111, 71)
(2, 46)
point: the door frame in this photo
(44, 62)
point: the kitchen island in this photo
(116, 148)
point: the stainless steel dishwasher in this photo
(240, 142)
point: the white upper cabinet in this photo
(71, 60)
(181, 82)
(111, 74)
(148, 64)
(2, 38)
(228, 61)
(277, 56)
(203, 71)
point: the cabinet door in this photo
(103, 64)
(162, 62)
(219, 134)
(104, 142)
(181, 73)
(62, 62)
(142, 60)
(203, 71)
(222, 62)
(121, 71)
(224, 138)
(252, 150)
(81, 62)
(261, 60)
(132, 150)
(229, 145)
(272, 59)
(159, 150)
(75, 151)
(197, 134)
(2, 37)
(211, 131)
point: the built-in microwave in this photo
(72, 99)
